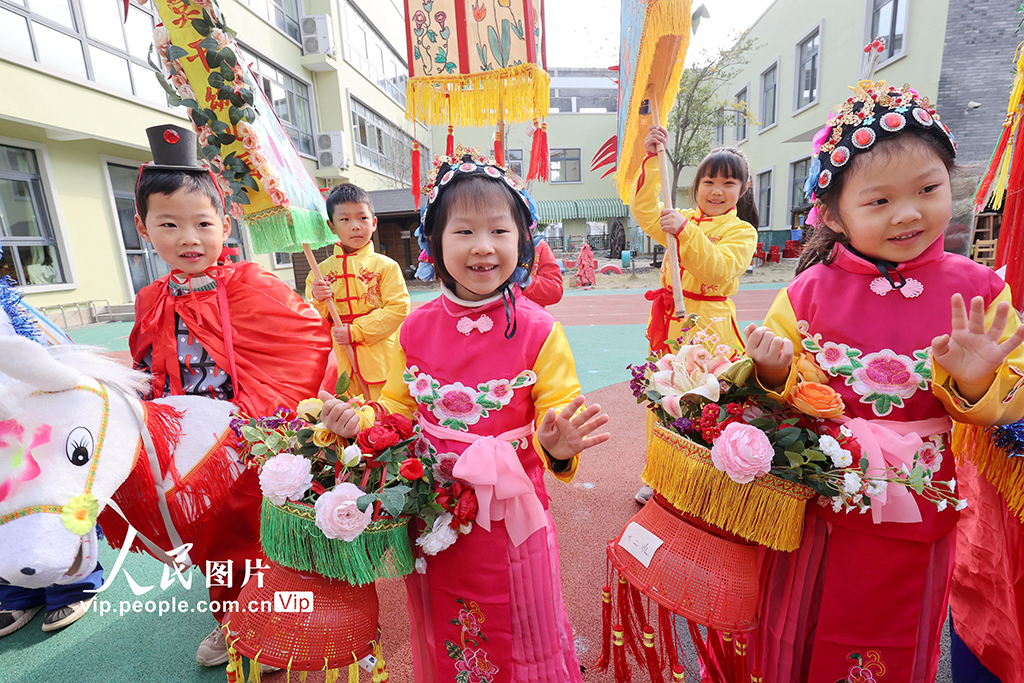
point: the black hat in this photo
(174, 149)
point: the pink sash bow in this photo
(890, 443)
(503, 489)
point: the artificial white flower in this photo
(843, 459)
(851, 483)
(952, 484)
(421, 565)
(439, 537)
(828, 445)
(903, 470)
(864, 509)
(845, 431)
(877, 487)
(351, 455)
(466, 528)
(941, 505)
(837, 504)
(960, 505)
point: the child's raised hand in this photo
(562, 435)
(341, 335)
(970, 354)
(772, 354)
(655, 134)
(321, 290)
(672, 221)
(338, 416)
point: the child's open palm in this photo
(969, 353)
(564, 434)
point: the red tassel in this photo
(416, 173)
(545, 164)
(741, 655)
(666, 623)
(499, 153)
(653, 666)
(622, 672)
(539, 164)
(450, 143)
(679, 674)
(630, 629)
(606, 628)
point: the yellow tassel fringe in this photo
(380, 669)
(664, 18)
(1013, 114)
(332, 676)
(353, 673)
(769, 510)
(515, 94)
(1004, 473)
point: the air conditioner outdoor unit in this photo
(316, 35)
(330, 149)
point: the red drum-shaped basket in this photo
(340, 627)
(698, 572)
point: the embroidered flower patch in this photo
(457, 406)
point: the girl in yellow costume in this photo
(715, 244)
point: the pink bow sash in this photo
(503, 489)
(889, 443)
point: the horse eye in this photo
(79, 446)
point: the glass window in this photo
(799, 171)
(30, 249)
(117, 52)
(565, 166)
(888, 21)
(740, 130)
(14, 29)
(372, 56)
(720, 127)
(290, 99)
(514, 162)
(286, 16)
(282, 259)
(764, 198)
(384, 147)
(769, 88)
(807, 72)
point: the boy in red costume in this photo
(231, 331)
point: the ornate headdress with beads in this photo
(468, 161)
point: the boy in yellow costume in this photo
(715, 245)
(368, 290)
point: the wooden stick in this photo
(667, 201)
(336, 319)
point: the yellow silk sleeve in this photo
(781, 319)
(645, 202)
(382, 322)
(319, 306)
(395, 397)
(556, 387)
(716, 263)
(1003, 403)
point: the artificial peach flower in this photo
(809, 370)
(323, 437)
(817, 400)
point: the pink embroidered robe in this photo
(858, 598)
(484, 605)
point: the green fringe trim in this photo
(290, 538)
(287, 229)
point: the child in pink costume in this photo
(491, 377)
(879, 307)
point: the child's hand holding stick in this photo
(672, 246)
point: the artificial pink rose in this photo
(204, 136)
(271, 183)
(161, 38)
(222, 38)
(279, 198)
(337, 514)
(742, 452)
(285, 476)
(237, 212)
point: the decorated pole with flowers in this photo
(264, 181)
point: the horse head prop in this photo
(75, 435)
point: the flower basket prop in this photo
(732, 467)
(337, 628)
(768, 511)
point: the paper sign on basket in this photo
(640, 543)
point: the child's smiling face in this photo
(481, 248)
(185, 229)
(895, 201)
(718, 195)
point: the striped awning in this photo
(555, 210)
(601, 209)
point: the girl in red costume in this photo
(911, 338)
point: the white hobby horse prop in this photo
(73, 435)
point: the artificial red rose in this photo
(387, 431)
(466, 507)
(444, 497)
(400, 423)
(411, 469)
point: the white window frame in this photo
(349, 12)
(395, 131)
(761, 127)
(718, 136)
(314, 122)
(792, 177)
(797, 83)
(869, 11)
(567, 182)
(281, 260)
(765, 219)
(105, 162)
(261, 8)
(60, 232)
(746, 123)
(522, 161)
